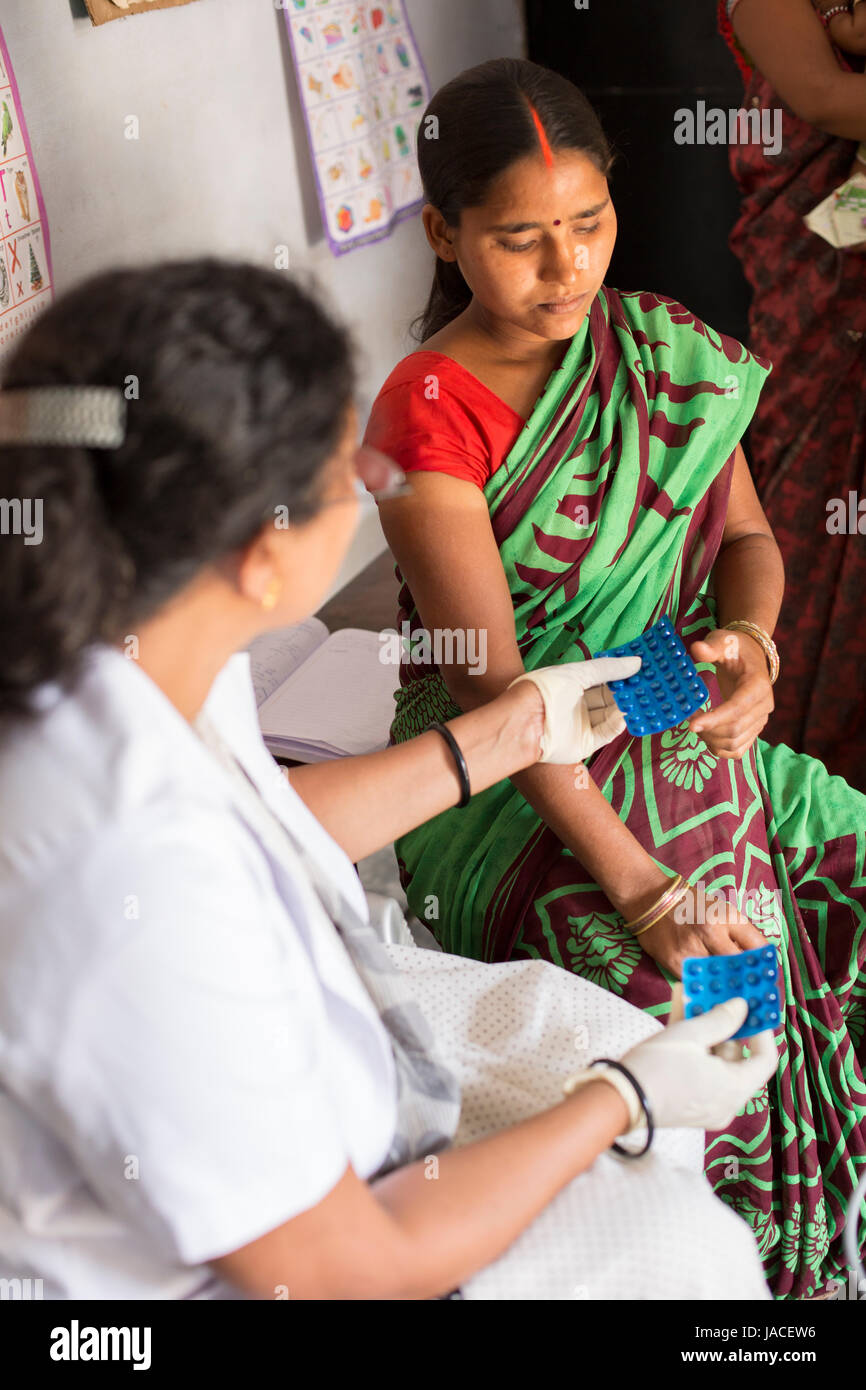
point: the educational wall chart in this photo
(364, 88)
(25, 247)
(101, 11)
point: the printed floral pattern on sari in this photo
(686, 761)
(600, 951)
(854, 1014)
(791, 1238)
(817, 1241)
(766, 1231)
(757, 1103)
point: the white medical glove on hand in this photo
(684, 1081)
(580, 714)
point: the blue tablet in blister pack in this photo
(666, 689)
(750, 975)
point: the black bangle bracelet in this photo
(462, 769)
(639, 1092)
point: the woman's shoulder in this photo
(432, 413)
(429, 368)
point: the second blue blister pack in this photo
(666, 689)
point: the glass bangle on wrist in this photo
(764, 641)
(622, 1080)
(460, 762)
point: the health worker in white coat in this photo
(213, 1081)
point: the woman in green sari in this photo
(577, 474)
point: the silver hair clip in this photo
(91, 417)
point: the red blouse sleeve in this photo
(434, 415)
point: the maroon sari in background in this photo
(808, 440)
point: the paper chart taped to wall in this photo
(25, 248)
(364, 88)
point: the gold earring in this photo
(273, 592)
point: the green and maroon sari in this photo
(609, 512)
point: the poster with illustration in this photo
(363, 88)
(25, 249)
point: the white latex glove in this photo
(685, 1082)
(580, 714)
(688, 1084)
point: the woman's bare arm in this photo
(748, 582)
(749, 574)
(366, 802)
(412, 1236)
(443, 542)
(788, 43)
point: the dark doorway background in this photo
(639, 61)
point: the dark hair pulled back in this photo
(237, 385)
(482, 124)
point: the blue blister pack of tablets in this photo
(666, 689)
(750, 975)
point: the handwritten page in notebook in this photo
(340, 701)
(274, 656)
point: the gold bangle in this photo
(764, 641)
(669, 897)
(675, 900)
(636, 922)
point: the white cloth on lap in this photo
(624, 1230)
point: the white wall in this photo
(221, 164)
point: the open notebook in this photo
(322, 696)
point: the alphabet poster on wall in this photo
(101, 11)
(25, 248)
(363, 88)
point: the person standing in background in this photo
(808, 317)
